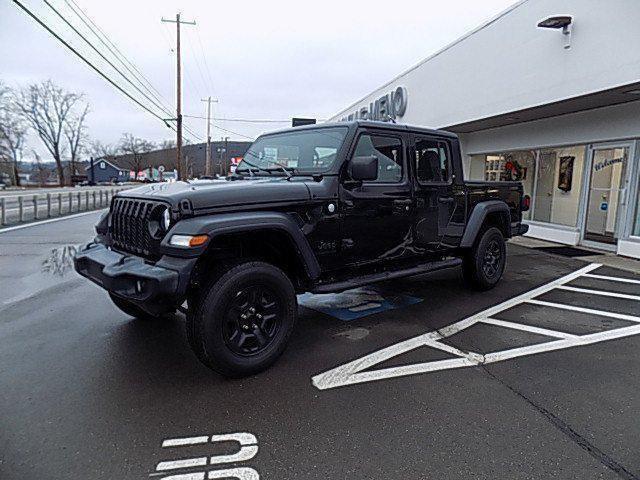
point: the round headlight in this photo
(166, 219)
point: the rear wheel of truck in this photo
(484, 263)
(239, 324)
(131, 309)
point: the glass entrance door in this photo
(606, 194)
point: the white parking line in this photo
(601, 313)
(527, 328)
(599, 292)
(356, 370)
(612, 279)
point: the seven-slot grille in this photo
(130, 226)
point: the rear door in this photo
(434, 191)
(377, 215)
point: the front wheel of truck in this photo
(239, 323)
(484, 263)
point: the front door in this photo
(376, 215)
(606, 194)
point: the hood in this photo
(225, 193)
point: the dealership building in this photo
(548, 93)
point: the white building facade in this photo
(556, 108)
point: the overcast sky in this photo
(261, 60)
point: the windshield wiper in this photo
(254, 166)
(284, 168)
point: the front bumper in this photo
(155, 288)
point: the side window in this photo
(432, 160)
(389, 153)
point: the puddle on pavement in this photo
(353, 334)
(60, 261)
(38, 273)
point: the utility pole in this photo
(208, 171)
(178, 22)
(225, 149)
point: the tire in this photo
(239, 324)
(130, 309)
(484, 263)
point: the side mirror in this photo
(364, 169)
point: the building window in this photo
(552, 177)
(558, 185)
(103, 165)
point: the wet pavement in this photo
(88, 392)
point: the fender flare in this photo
(478, 216)
(221, 224)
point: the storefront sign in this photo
(388, 107)
(607, 163)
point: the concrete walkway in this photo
(605, 258)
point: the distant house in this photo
(103, 171)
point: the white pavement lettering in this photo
(356, 370)
(248, 444)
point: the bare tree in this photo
(13, 131)
(135, 148)
(48, 108)
(167, 145)
(100, 150)
(75, 131)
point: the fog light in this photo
(139, 286)
(188, 240)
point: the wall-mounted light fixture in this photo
(557, 22)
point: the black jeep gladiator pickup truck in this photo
(322, 208)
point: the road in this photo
(537, 392)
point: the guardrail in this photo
(16, 209)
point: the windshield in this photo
(306, 152)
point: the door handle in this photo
(403, 205)
(445, 199)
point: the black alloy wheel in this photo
(239, 323)
(253, 319)
(492, 258)
(483, 264)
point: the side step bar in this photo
(380, 277)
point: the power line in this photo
(204, 57)
(232, 132)
(241, 120)
(119, 56)
(104, 39)
(159, 106)
(194, 56)
(91, 65)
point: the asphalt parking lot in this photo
(538, 378)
